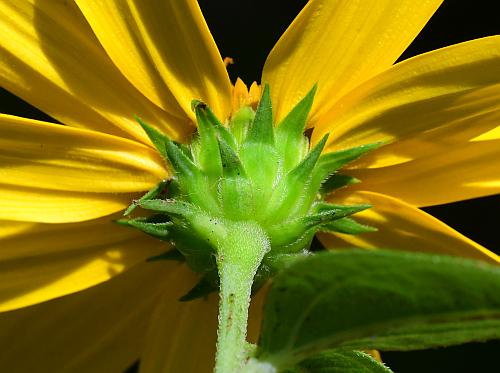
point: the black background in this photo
(246, 30)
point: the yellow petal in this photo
(50, 57)
(99, 330)
(446, 87)
(39, 262)
(340, 44)
(450, 173)
(34, 204)
(165, 46)
(404, 227)
(182, 335)
(490, 135)
(254, 94)
(240, 95)
(54, 157)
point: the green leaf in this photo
(385, 300)
(290, 137)
(340, 362)
(261, 131)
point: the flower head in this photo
(93, 65)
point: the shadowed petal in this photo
(450, 173)
(404, 227)
(39, 262)
(165, 47)
(99, 330)
(188, 329)
(50, 57)
(182, 335)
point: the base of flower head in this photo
(246, 171)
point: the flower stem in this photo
(239, 256)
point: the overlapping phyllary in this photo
(249, 171)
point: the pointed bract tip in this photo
(266, 92)
(361, 207)
(130, 209)
(123, 222)
(321, 144)
(313, 90)
(140, 121)
(198, 104)
(146, 127)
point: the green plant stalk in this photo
(239, 255)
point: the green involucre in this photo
(249, 171)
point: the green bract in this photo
(246, 171)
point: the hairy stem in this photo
(239, 255)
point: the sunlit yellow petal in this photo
(57, 174)
(404, 227)
(165, 46)
(339, 44)
(49, 206)
(182, 335)
(99, 330)
(54, 157)
(493, 134)
(456, 134)
(436, 89)
(50, 57)
(39, 262)
(450, 173)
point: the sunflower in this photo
(93, 65)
